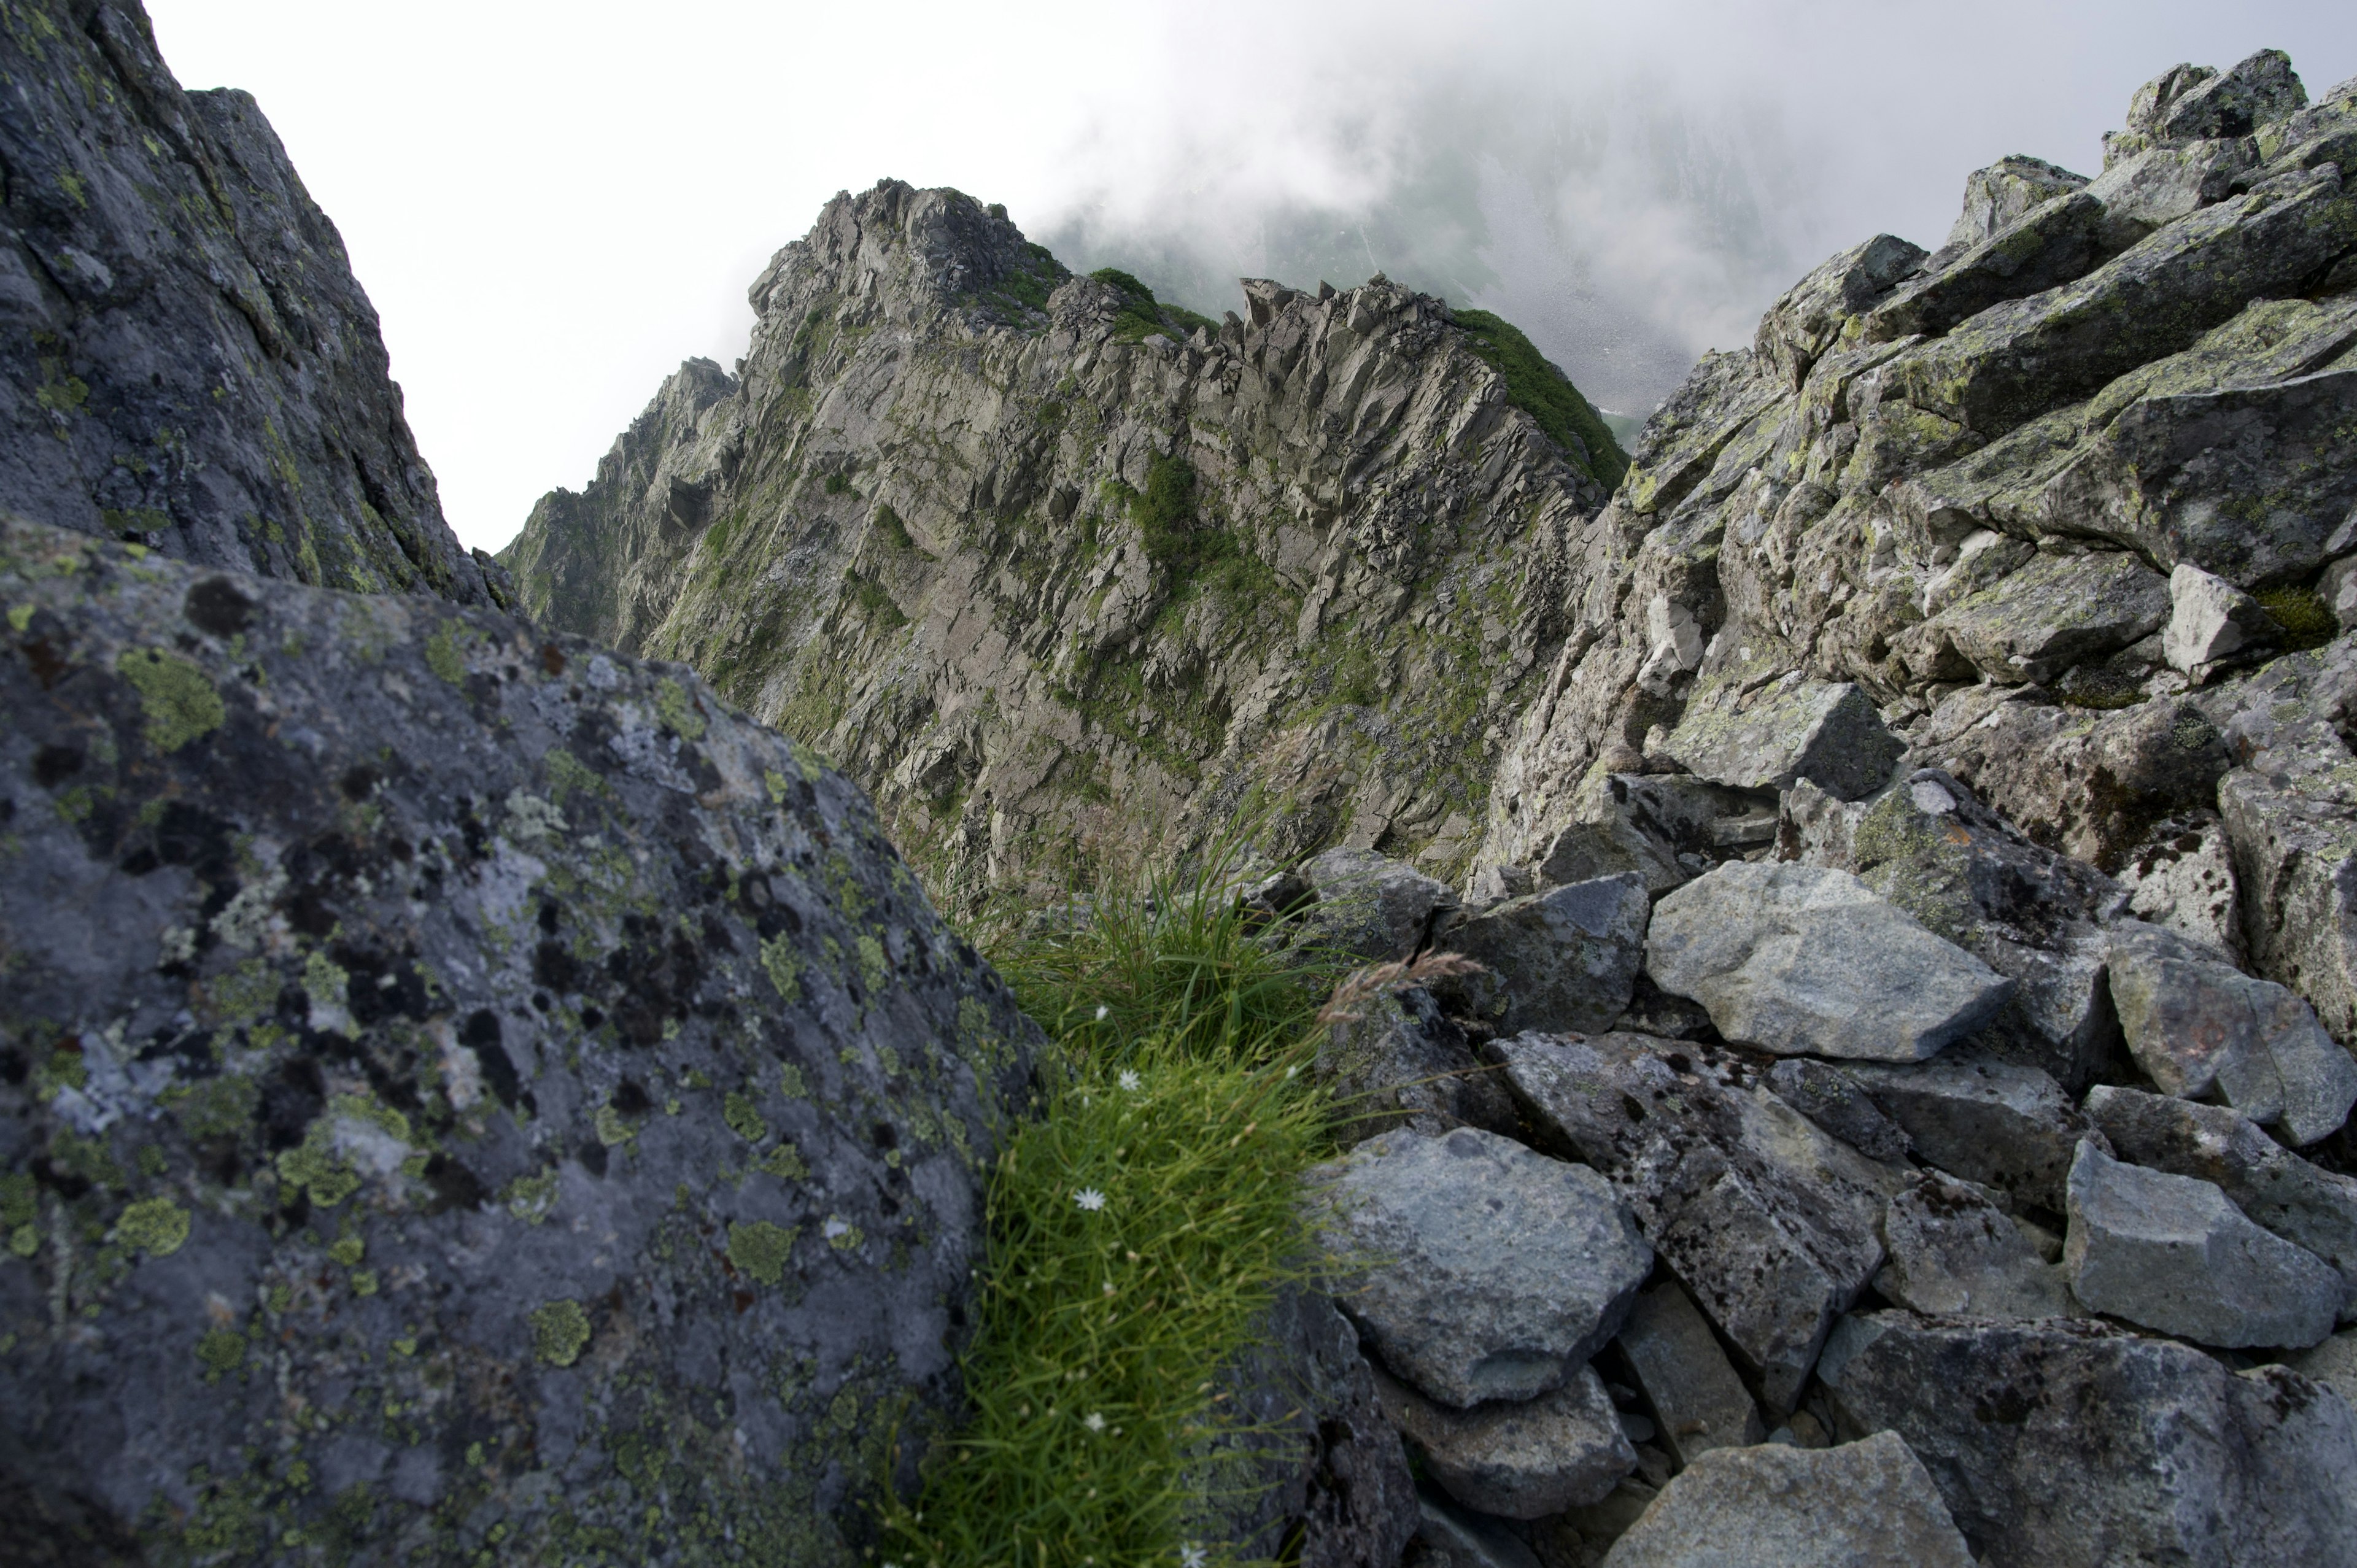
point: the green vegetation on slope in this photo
(1141, 315)
(1547, 394)
(1139, 1230)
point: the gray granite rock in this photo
(1990, 1122)
(1670, 828)
(1775, 1507)
(2332, 1363)
(1330, 1483)
(1954, 1254)
(1698, 1399)
(1404, 1063)
(2209, 621)
(1475, 1268)
(1518, 1458)
(1800, 960)
(2172, 1253)
(1829, 733)
(2302, 1203)
(1773, 1226)
(2182, 879)
(186, 359)
(1565, 959)
(1447, 1536)
(2057, 611)
(1370, 907)
(401, 998)
(2199, 1025)
(2187, 1463)
(1836, 1102)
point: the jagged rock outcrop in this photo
(185, 360)
(460, 1091)
(1063, 576)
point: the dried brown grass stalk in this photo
(1347, 1005)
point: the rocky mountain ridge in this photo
(1060, 574)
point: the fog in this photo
(553, 204)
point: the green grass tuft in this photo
(1180, 1099)
(1537, 387)
(2307, 620)
(1142, 315)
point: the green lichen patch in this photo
(221, 1351)
(785, 1162)
(156, 1226)
(560, 1331)
(530, 1198)
(744, 1119)
(442, 655)
(760, 1250)
(178, 700)
(783, 965)
(312, 1167)
(677, 710)
(2307, 620)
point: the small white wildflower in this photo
(1130, 1080)
(1291, 1070)
(1090, 1199)
(1102, 1012)
(1094, 1421)
(1108, 1287)
(1192, 1556)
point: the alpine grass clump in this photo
(1547, 394)
(1139, 1229)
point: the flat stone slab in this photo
(1955, 1254)
(1779, 1507)
(1700, 1402)
(1518, 1458)
(1477, 1269)
(2197, 1026)
(1994, 1122)
(1829, 733)
(2302, 1203)
(1370, 906)
(1771, 1224)
(2173, 1254)
(1801, 959)
(2072, 1444)
(1565, 959)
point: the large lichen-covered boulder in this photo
(186, 359)
(460, 1091)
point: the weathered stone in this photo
(1955, 1254)
(2182, 879)
(403, 978)
(1998, 1123)
(1404, 1064)
(1793, 729)
(2171, 1252)
(1446, 1538)
(1800, 960)
(2160, 185)
(1836, 1102)
(1336, 1490)
(1564, 960)
(2031, 914)
(1696, 1397)
(2209, 619)
(1518, 1458)
(1808, 321)
(1476, 1268)
(2053, 242)
(2187, 1463)
(2197, 1025)
(2333, 1364)
(189, 363)
(2299, 1202)
(1370, 906)
(1773, 1226)
(1669, 828)
(2057, 611)
(1774, 1507)
(1996, 197)
(2253, 92)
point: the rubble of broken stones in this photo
(1821, 1161)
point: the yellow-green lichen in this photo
(612, 1129)
(761, 1248)
(791, 1080)
(222, 1351)
(743, 1119)
(785, 1162)
(180, 701)
(348, 1251)
(442, 655)
(783, 965)
(530, 1198)
(157, 1226)
(560, 1330)
(678, 711)
(311, 1167)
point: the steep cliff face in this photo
(1968, 481)
(185, 360)
(1064, 575)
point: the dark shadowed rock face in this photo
(185, 356)
(459, 1091)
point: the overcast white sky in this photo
(553, 204)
